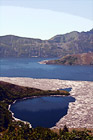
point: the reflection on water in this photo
(42, 111)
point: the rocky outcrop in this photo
(76, 59)
(58, 46)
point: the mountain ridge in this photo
(58, 46)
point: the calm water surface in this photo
(29, 67)
(42, 111)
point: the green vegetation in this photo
(17, 130)
(10, 92)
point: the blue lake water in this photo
(66, 89)
(42, 111)
(29, 67)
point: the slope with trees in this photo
(10, 92)
(17, 130)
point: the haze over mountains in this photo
(58, 46)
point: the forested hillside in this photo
(17, 130)
(10, 92)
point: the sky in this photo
(45, 18)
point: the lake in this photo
(42, 111)
(29, 67)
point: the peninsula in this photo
(75, 59)
(10, 92)
(79, 113)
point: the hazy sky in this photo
(45, 18)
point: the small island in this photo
(75, 59)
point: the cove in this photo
(42, 111)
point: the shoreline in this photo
(43, 62)
(17, 119)
(80, 112)
(26, 122)
(46, 62)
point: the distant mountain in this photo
(58, 46)
(76, 59)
